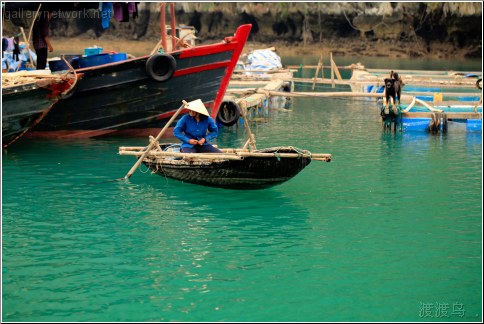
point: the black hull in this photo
(247, 174)
(122, 97)
(22, 107)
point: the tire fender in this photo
(228, 113)
(160, 67)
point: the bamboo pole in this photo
(336, 71)
(152, 143)
(203, 156)
(27, 45)
(442, 84)
(156, 143)
(322, 67)
(173, 26)
(163, 25)
(251, 140)
(33, 22)
(280, 70)
(317, 71)
(314, 66)
(227, 151)
(385, 71)
(333, 85)
(405, 98)
(31, 74)
(450, 115)
(226, 156)
(320, 94)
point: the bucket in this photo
(92, 51)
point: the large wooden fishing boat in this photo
(27, 97)
(137, 96)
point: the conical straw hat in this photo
(197, 106)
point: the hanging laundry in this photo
(106, 14)
(10, 44)
(121, 12)
(133, 9)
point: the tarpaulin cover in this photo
(263, 60)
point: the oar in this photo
(152, 143)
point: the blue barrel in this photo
(94, 60)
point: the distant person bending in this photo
(398, 84)
(192, 130)
(41, 39)
(393, 88)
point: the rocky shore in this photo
(438, 30)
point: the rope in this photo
(71, 70)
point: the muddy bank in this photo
(341, 47)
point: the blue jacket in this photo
(188, 128)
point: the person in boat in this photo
(196, 130)
(41, 40)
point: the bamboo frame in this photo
(317, 71)
(226, 155)
(333, 85)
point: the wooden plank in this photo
(380, 82)
(450, 115)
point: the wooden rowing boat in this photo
(232, 169)
(242, 168)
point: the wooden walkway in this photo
(253, 93)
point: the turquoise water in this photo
(390, 230)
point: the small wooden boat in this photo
(232, 169)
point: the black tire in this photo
(160, 67)
(479, 84)
(228, 113)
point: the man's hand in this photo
(193, 141)
(202, 141)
